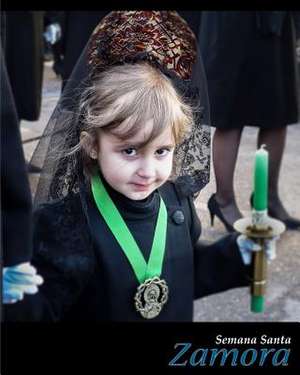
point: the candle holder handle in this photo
(272, 227)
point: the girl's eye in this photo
(162, 151)
(129, 151)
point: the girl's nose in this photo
(146, 169)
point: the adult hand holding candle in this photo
(259, 229)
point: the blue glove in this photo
(19, 280)
(247, 246)
(53, 33)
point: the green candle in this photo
(257, 304)
(260, 204)
(260, 201)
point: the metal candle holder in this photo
(271, 227)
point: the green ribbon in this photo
(122, 234)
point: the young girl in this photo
(121, 241)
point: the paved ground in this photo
(283, 294)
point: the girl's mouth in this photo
(141, 187)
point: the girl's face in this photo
(132, 170)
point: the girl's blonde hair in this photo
(123, 97)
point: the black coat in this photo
(250, 64)
(22, 39)
(16, 219)
(87, 277)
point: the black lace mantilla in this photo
(62, 175)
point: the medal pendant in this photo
(150, 297)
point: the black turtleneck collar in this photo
(132, 209)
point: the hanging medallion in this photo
(150, 297)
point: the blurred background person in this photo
(53, 31)
(77, 27)
(15, 193)
(250, 63)
(22, 43)
(18, 275)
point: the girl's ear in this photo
(89, 144)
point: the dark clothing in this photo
(89, 278)
(250, 63)
(192, 18)
(16, 220)
(55, 17)
(297, 23)
(77, 28)
(22, 38)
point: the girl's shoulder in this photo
(59, 206)
(175, 199)
(173, 195)
(61, 220)
(61, 235)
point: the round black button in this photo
(178, 217)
